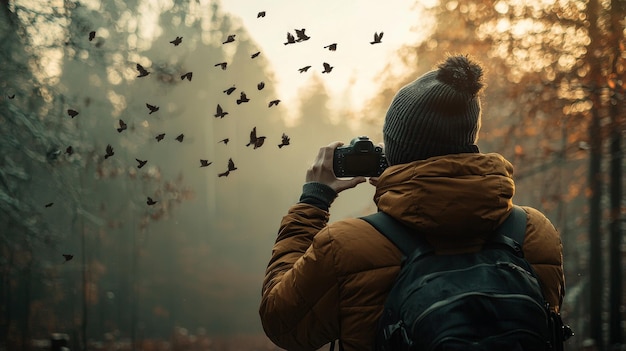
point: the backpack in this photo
(487, 300)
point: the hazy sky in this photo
(350, 24)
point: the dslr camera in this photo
(360, 158)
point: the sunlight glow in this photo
(350, 24)
(118, 101)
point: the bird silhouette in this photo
(242, 98)
(260, 86)
(11, 97)
(285, 141)
(69, 150)
(230, 39)
(204, 163)
(122, 127)
(177, 41)
(223, 65)
(159, 137)
(109, 152)
(304, 69)
(231, 167)
(180, 138)
(92, 35)
(290, 39)
(331, 47)
(225, 141)
(273, 103)
(260, 14)
(67, 257)
(230, 90)
(301, 35)
(377, 38)
(255, 54)
(327, 68)
(150, 201)
(141, 163)
(220, 112)
(142, 71)
(152, 108)
(49, 204)
(187, 75)
(72, 113)
(255, 140)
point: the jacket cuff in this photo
(318, 195)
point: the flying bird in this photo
(141, 163)
(122, 127)
(327, 68)
(304, 69)
(187, 75)
(223, 65)
(92, 35)
(331, 47)
(142, 71)
(242, 98)
(231, 167)
(159, 137)
(152, 108)
(255, 54)
(11, 97)
(49, 204)
(255, 140)
(69, 150)
(109, 152)
(67, 257)
(225, 141)
(180, 138)
(230, 39)
(177, 41)
(220, 113)
(290, 39)
(150, 202)
(230, 90)
(301, 35)
(204, 163)
(377, 38)
(285, 141)
(273, 103)
(260, 14)
(72, 113)
(260, 86)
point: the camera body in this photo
(360, 158)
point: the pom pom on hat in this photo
(437, 114)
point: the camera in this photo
(360, 158)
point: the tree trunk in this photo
(618, 11)
(615, 240)
(596, 286)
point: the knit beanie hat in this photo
(437, 114)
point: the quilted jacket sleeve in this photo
(299, 304)
(544, 251)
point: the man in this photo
(329, 281)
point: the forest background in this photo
(188, 269)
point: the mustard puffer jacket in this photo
(329, 281)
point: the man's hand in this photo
(322, 170)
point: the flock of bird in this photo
(255, 140)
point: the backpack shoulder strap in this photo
(398, 233)
(513, 227)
